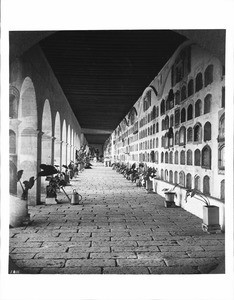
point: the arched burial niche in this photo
(46, 140)
(57, 143)
(64, 143)
(28, 136)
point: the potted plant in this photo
(55, 182)
(210, 212)
(150, 174)
(170, 195)
(19, 206)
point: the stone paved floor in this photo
(118, 229)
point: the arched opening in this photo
(157, 129)
(190, 87)
(198, 108)
(197, 183)
(221, 137)
(171, 177)
(222, 189)
(177, 97)
(199, 82)
(189, 135)
(177, 138)
(163, 124)
(206, 185)
(183, 93)
(162, 107)
(166, 175)
(208, 75)
(156, 142)
(189, 158)
(182, 157)
(152, 157)
(28, 134)
(188, 181)
(182, 179)
(13, 178)
(183, 115)
(171, 120)
(171, 157)
(13, 105)
(207, 131)
(197, 157)
(206, 157)
(64, 143)
(182, 135)
(162, 177)
(72, 145)
(175, 177)
(57, 143)
(46, 153)
(190, 112)
(167, 122)
(221, 162)
(197, 132)
(162, 157)
(176, 158)
(46, 142)
(68, 145)
(156, 157)
(166, 157)
(207, 104)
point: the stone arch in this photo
(13, 178)
(46, 153)
(57, 144)
(64, 143)
(14, 97)
(68, 144)
(28, 134)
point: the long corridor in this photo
(117, 229)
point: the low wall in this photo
(192, 205)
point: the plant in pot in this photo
(19, 207)
(210, 212)
(149, 175)
(170, 195)
(55, 182)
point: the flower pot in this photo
(18, 211)
(169, 196)
(211, 219)
(169, 199)
(149, 185)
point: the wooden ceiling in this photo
(103, 73)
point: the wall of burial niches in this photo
(177, 126)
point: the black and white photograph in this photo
(114, 138)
